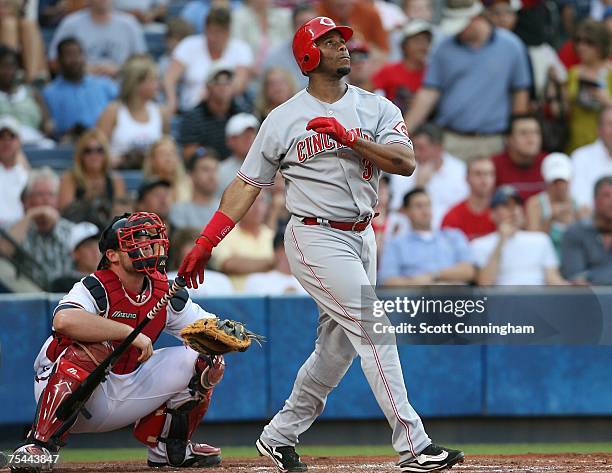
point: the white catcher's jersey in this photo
(79, 297)
(324, 179)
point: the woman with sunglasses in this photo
(589, 84)
(88, 189)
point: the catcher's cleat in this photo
(199, 455)
(433, 458)
(31, 458)
(285, 458)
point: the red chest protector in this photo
(111, 298)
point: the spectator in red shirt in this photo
(473, 216)
(401, 80)
(520, 164)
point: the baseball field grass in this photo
(128, 454)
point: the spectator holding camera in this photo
(512, 256)
(589, 84)
(586, 247)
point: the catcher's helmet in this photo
(305, 51)
(124, 234)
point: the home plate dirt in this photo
(591, 463)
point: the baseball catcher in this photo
(117, 313)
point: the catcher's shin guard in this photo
(69, 372)
(176, 426)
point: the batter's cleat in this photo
(433, 458)
(285, 458)
(199, 455)
(31, 458)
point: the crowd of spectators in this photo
(157, 102)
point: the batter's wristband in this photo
(218, 228)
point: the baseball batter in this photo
(165, 392)
(330, 142)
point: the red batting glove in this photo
(333, 128)
(192, 267)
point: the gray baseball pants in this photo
(338, 269)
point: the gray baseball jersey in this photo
(322, 178)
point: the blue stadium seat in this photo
(132, 178)
(156, 44)
(59, 158)
(175, 7)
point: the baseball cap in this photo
(457, 14)
(148, 185)
(7, 122)
(80, 233)
(505, 193)
(218, 69)
(556, 166)
(239, 123)
(414, 27)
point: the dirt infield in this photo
(592, 463)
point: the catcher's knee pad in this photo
(208, 371)
(69, 372)
(174, 427)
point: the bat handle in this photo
(178, 284)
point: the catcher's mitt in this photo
(214, 336)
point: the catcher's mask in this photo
(125, 233)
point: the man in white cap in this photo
(13, 173)
(401, 80)
(476, 78)
(553, 209)
(240, 133)
(83, 242)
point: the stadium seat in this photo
(132, 178)
(156, 44)
(59, 158)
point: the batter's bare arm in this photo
(393, 158)
(238, 198)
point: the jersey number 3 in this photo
(367, 169)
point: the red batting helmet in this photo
(305, 51)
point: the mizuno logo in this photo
(123, 315)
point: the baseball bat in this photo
(69, 409)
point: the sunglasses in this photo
(7, 134)
(93, 150)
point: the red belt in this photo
(356, 226)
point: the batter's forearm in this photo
(238, 198)
(84, 326)
(393, 158)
